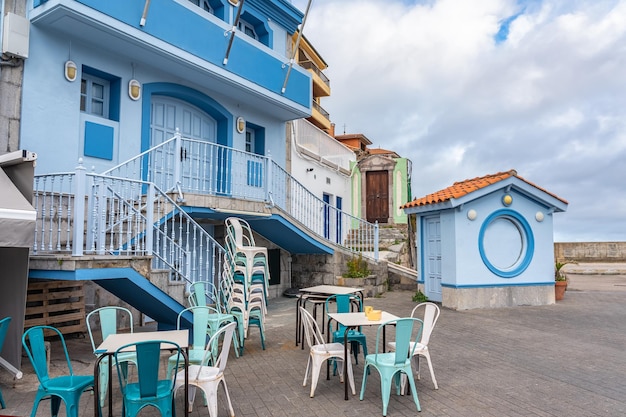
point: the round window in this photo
(506, 243)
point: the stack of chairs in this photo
(245, 279)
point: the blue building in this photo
(154, 121)
(487, 242)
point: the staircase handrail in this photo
(274, 186)
(92, 213)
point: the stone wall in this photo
(310, 270)
(590, 251)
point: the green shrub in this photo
(420, 297)
(357, 268)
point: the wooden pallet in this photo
(60, 304)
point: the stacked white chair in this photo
(245, 279)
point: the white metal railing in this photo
(186, 165)
(84, 213)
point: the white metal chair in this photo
(430, 316)
(208, 378)
(319, 352)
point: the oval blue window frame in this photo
(528, 242)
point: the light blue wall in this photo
(468, 266)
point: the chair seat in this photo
(163, 389)
(69, 383)
(385, 359)
(204, 373)
(419, 348)
(333, 349)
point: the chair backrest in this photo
(34, 345)
(406, 332)
(4, 327)
(108, 317)
(225, 333)
(240, 230)
(430, 316)
(148, 365)
(202, 293)
(312, 333)
(343, 304)
(200, 320)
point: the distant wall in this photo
(590, 251)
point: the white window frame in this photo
(203, 4)
(87, 97)
(249, 146)
(247, 29)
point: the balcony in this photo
(186, 43)
(321, 83)
(320, 117)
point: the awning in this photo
(17, 215)
(17, 234)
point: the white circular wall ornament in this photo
(471, 214)
(539, 216)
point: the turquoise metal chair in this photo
(4, 326)
(67, 387)
(108, 318)
(200, 335)
(344, 303)
(204, 293)
(146, 389)
(392, 365)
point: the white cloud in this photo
(428, 80)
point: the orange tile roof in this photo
(462, 188)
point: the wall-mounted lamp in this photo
(539, 216)
(134, 90)
(241, 124)
(507, 200)
(70, 71)
(234, 2)
(309, 169)
(471, 214)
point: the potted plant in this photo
(560, 280)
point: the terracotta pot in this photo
(559, 289)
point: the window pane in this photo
(97, 108)
(82, 103)
(97, 90)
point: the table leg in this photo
(346, 357)
(186, 355)
(96, 387)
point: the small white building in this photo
(487, 242)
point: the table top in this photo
(114, 341)
(360, 319)
(330, 290)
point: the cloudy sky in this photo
(466, 88)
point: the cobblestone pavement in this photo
(565, 359)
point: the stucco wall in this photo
(590, 251)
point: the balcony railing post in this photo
(79, 210)
(376, 240)
(150, 219)
(178, 159)
(269, 191)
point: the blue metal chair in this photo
(108, 317)
(68, 387)
(344, 304)
(4, 326)
(393, 365)
(147, 389)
